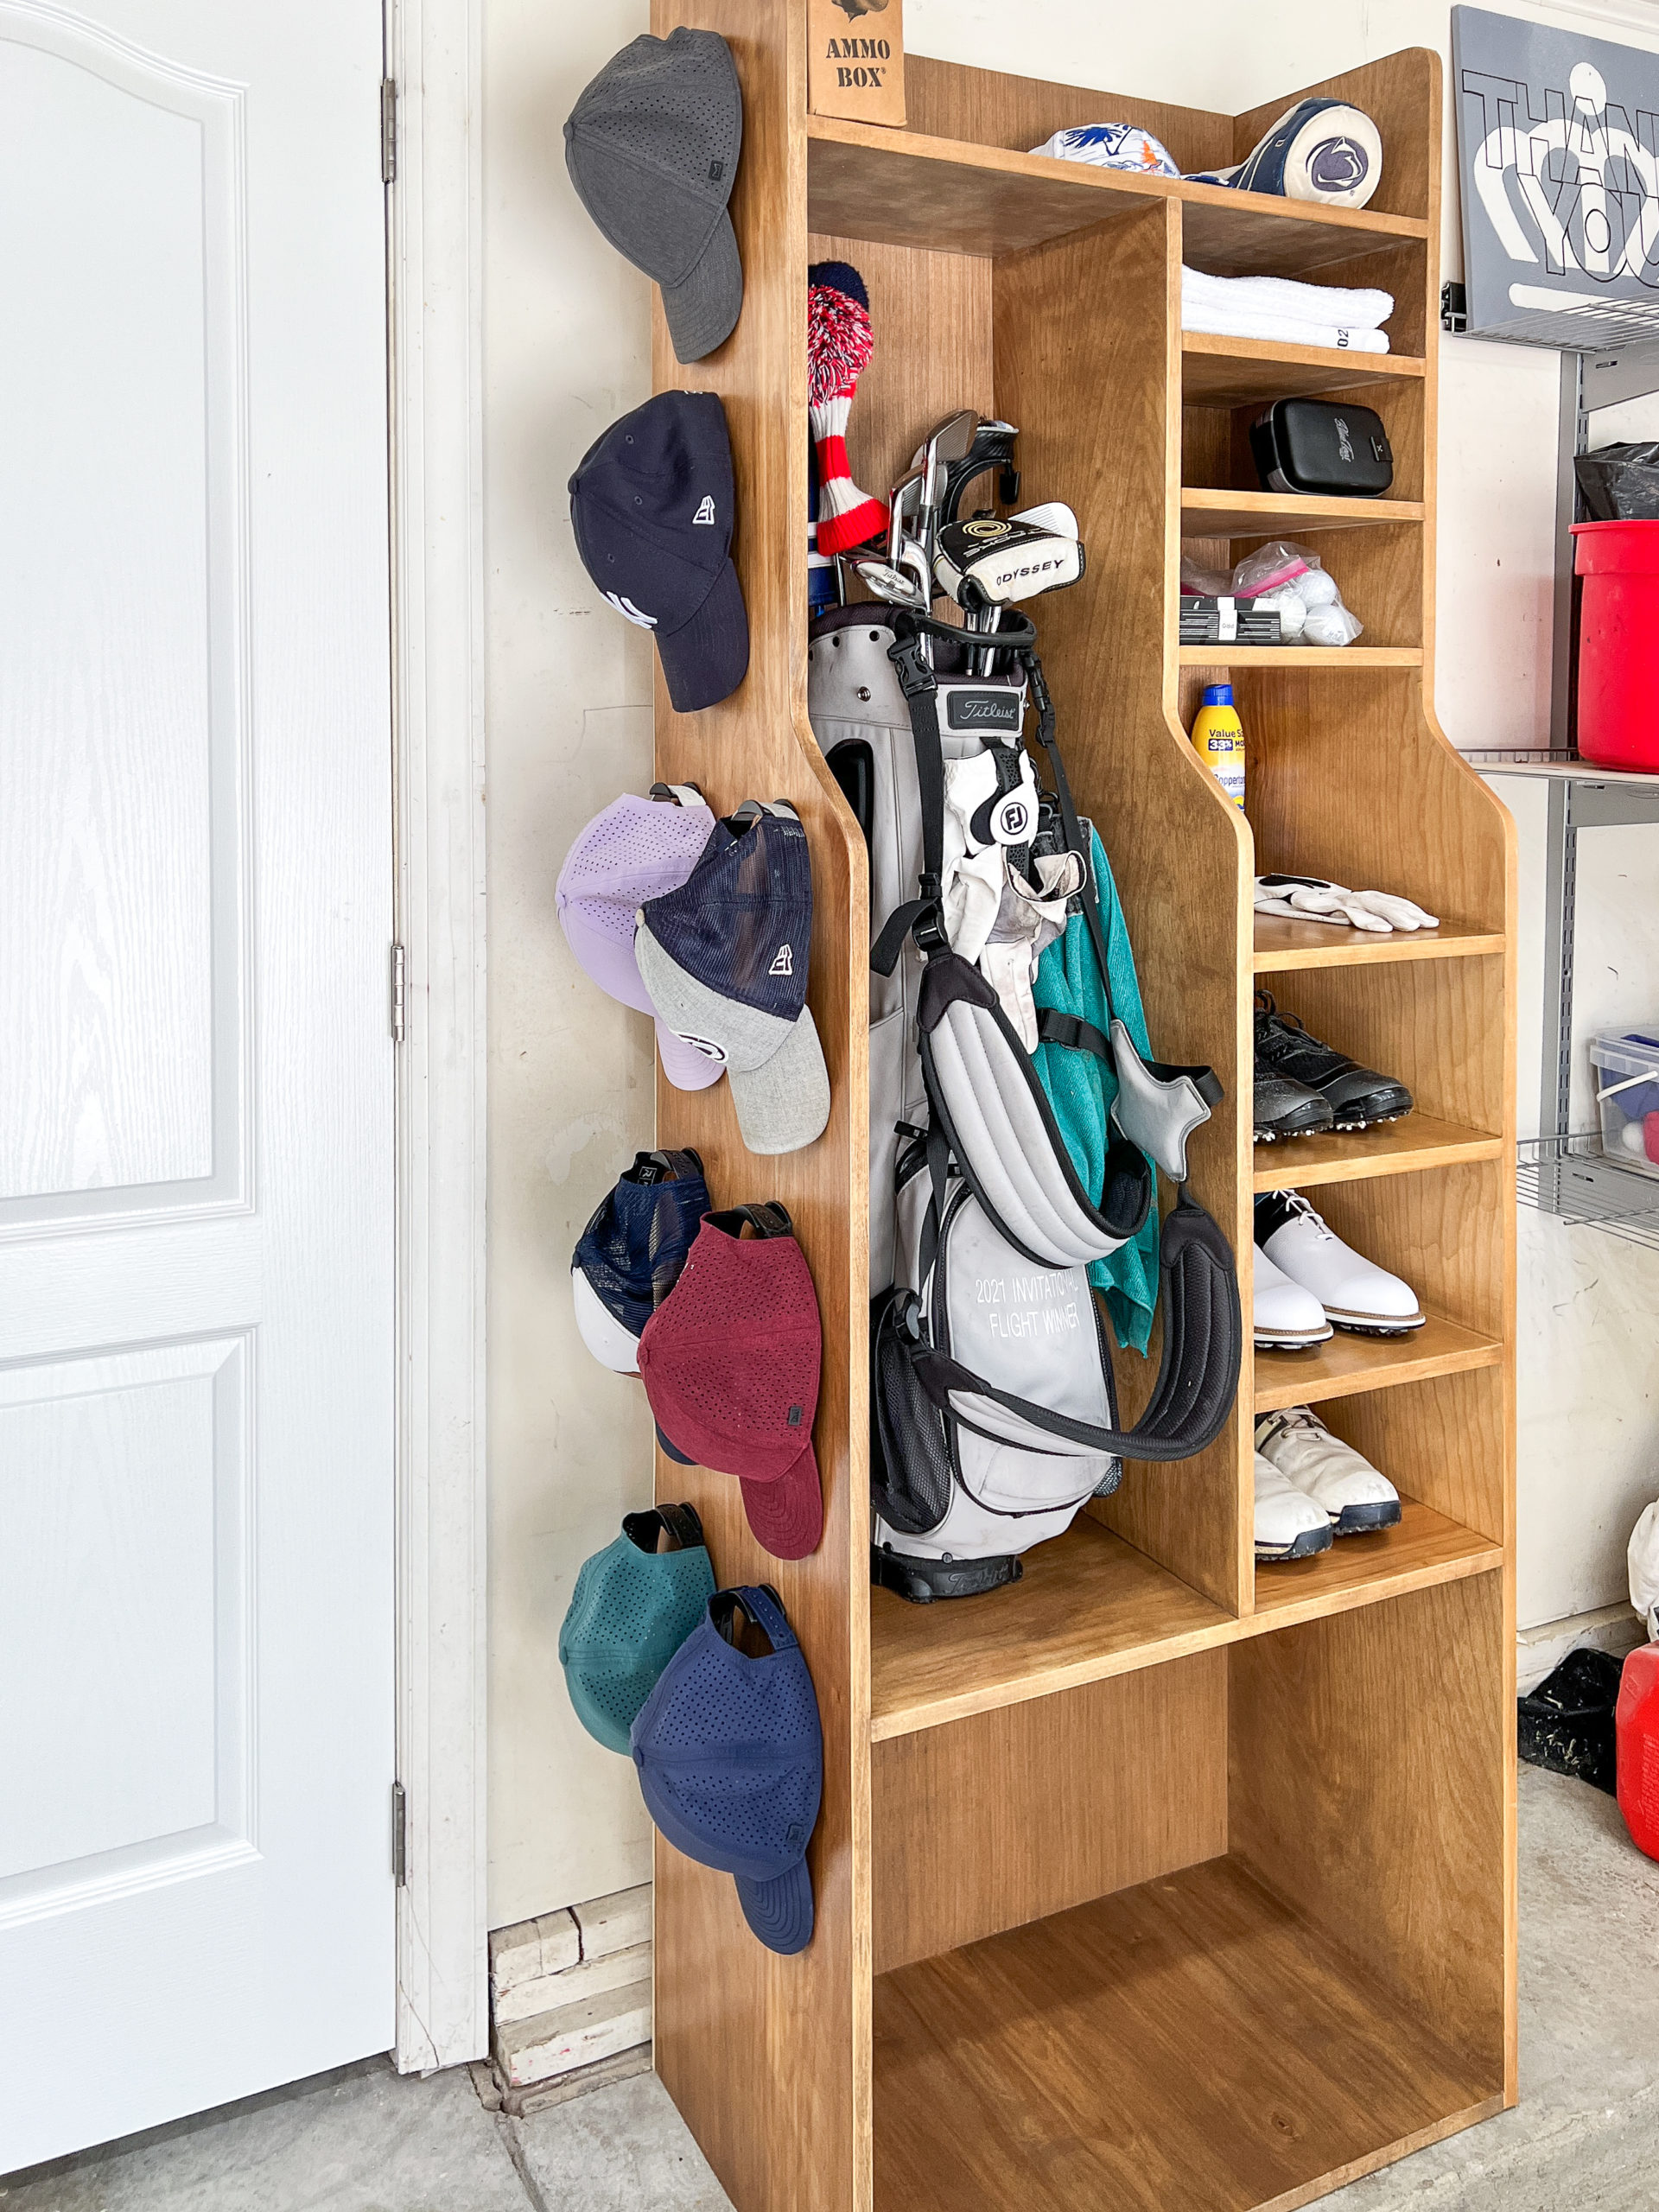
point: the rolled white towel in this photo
(1283, 327)
(1329, 304)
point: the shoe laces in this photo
(1295, 1202)
(1272, 1027)
(1288, 1420)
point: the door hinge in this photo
(397, 993)
(388, 129)
(399, 1835)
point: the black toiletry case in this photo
(1324, 446)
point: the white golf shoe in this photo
(1345, 1486)
(1286, 1317)
(1354, 1294)
(1287, 1524)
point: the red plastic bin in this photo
(1619, 643)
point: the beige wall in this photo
(566, 350)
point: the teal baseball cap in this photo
(634, 1604)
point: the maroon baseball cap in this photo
(730, 1362)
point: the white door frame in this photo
(434, 57)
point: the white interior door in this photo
(196, 1199)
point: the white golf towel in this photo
(1280, 307)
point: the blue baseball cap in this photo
(629, 1257)
(724, 959)
(729, 1753)
(651, 504)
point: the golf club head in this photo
(1002, 563)
(898, 586)
(993, 447)
(1053, 514)
(945, 446)
(906, 493)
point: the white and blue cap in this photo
(651, 505)
(724, 958)
(729, 1751)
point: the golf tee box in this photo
(856, 59)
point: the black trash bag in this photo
(1621, 483)
(1566, 1723)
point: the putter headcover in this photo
(984, 1094)
(1004, 560)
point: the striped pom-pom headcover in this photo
(839, 343)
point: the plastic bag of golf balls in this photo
(1297, 582)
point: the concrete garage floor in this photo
(1585, 2139)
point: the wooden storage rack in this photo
(1156, 1881)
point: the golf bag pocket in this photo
(983, 1092)
(966, 1479)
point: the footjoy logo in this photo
(706, 511)
(782, 962)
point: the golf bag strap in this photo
(1054, 1027)
(1198, 1376)
(938, 1168)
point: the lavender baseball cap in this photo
(632, 850)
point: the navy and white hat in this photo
(630, 1255)
(729, 1753)
(1322, 150)
(724, 959)
(651, 504)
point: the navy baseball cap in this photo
(724, 959)
(651, 504)
(729, 1753)
(629, 1257)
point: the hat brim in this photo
(680, 1458)
(706, 658)
(702, 308)
(686, 1068)
(784, 1104)
(786, 1516)
(779, 1911)
(611, 1346)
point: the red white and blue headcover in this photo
(724, 958)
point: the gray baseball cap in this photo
(652, 147)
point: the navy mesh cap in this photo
(634, 1604)
(729, 1753)
(651, 505)
(724, 958)
(630, 1256)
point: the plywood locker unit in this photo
(1124, 1874)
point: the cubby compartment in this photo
(1218, 1934)
(1153, 1880)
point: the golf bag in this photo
(1000, 1177)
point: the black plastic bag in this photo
(1621, 483)
(1566, 1723)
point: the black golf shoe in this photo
(1357, 1097)
(1284, 1108)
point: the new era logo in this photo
(634, 614)
(782, 962)
(706, 511)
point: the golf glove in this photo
(1310, 899)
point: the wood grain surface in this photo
(1425, 1547)
(1189, 2043)
(1014, 1814)
(793, 2032)
(1402, 1148)
(1283, 945)
(1219, 371)
(1350, 1363)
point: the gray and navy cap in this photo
(724, 959)
(652, 147)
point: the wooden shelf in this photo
(1425, 1548)
(946, 195)
(1291, 658)
(1402, 1148)
(1088, 1605)
(1218, 372)
(1348, 1364)
(1282, 945)
(1189, 2043)
(1260, 514)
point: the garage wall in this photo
(566, 348)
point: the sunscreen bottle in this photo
(1218, 740)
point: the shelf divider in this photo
(1348, 1364)
(1283, 946)
(1259, 514)
(1402, 1148)
(1219, 371)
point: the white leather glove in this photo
(1312, 899)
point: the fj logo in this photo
(782, 962)
(706, 511)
